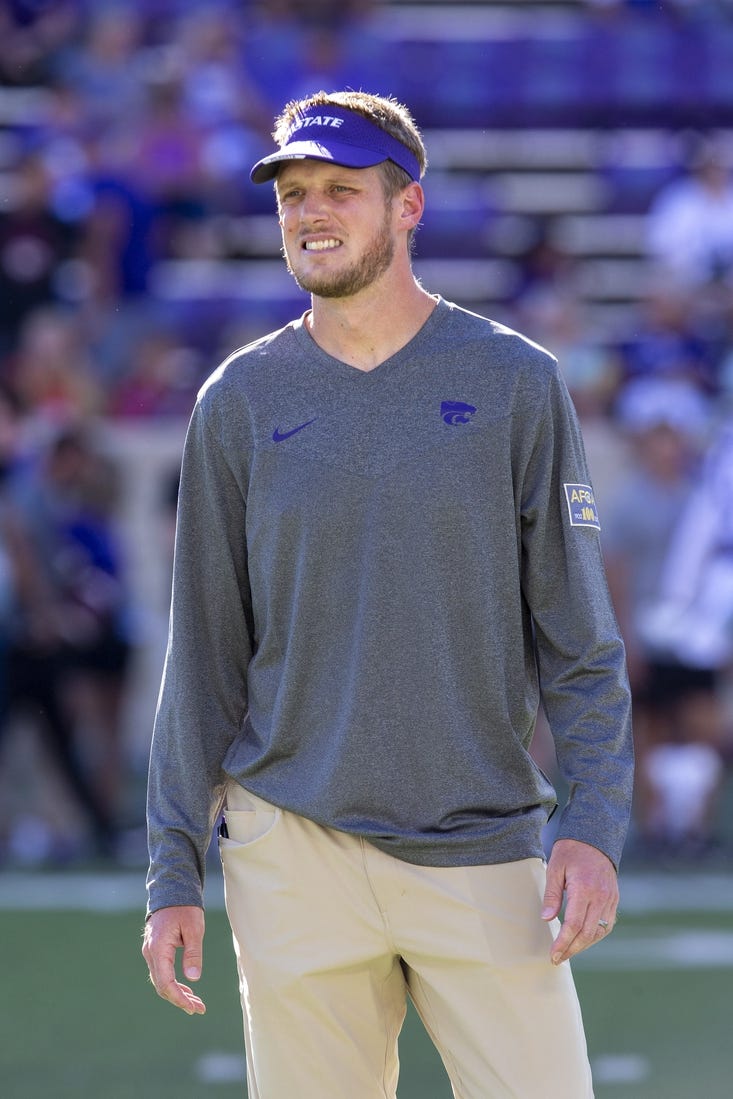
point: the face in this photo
(337, 227)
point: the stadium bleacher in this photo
(548, 110)
(530, 111)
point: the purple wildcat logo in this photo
(456, 412)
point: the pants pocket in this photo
(248, 818)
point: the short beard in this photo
(344, 284)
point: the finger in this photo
(606, 923)
(578, 934)
(568, 940)
(552, 900)
(192, 958)
(183, 997)
(579, 930)
(160, 958)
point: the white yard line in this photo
(683, 948)
(85, 892)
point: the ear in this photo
(412, 205)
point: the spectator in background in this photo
(37, 622)
(11, 540)
(668, 341)
(548, 304)
(59, 134)
(689, 246)
(677, 715)
(689, 233)
(76, 506)
(69, 501)
(319, 44)
(167, 158)
(321, 58)
(220, 98)
(162, 381)
(106, 63)
(119, 244)
(32, 35)
(34, 242)
(52, 371)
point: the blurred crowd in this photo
(657, 409)
(125, 142)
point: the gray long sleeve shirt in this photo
(378, 576)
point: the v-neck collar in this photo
(399, 361)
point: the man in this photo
(387, 549)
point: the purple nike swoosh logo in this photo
(278, 435)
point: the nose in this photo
(314, 208)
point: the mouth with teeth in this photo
(321, 245)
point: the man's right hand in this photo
(166, 931)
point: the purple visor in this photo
(342, 136)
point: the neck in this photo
(368, 328)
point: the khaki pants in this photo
(331, 934)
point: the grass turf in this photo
(78, 1019)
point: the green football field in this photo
(78, 1019)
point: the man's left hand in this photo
(587, 879)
